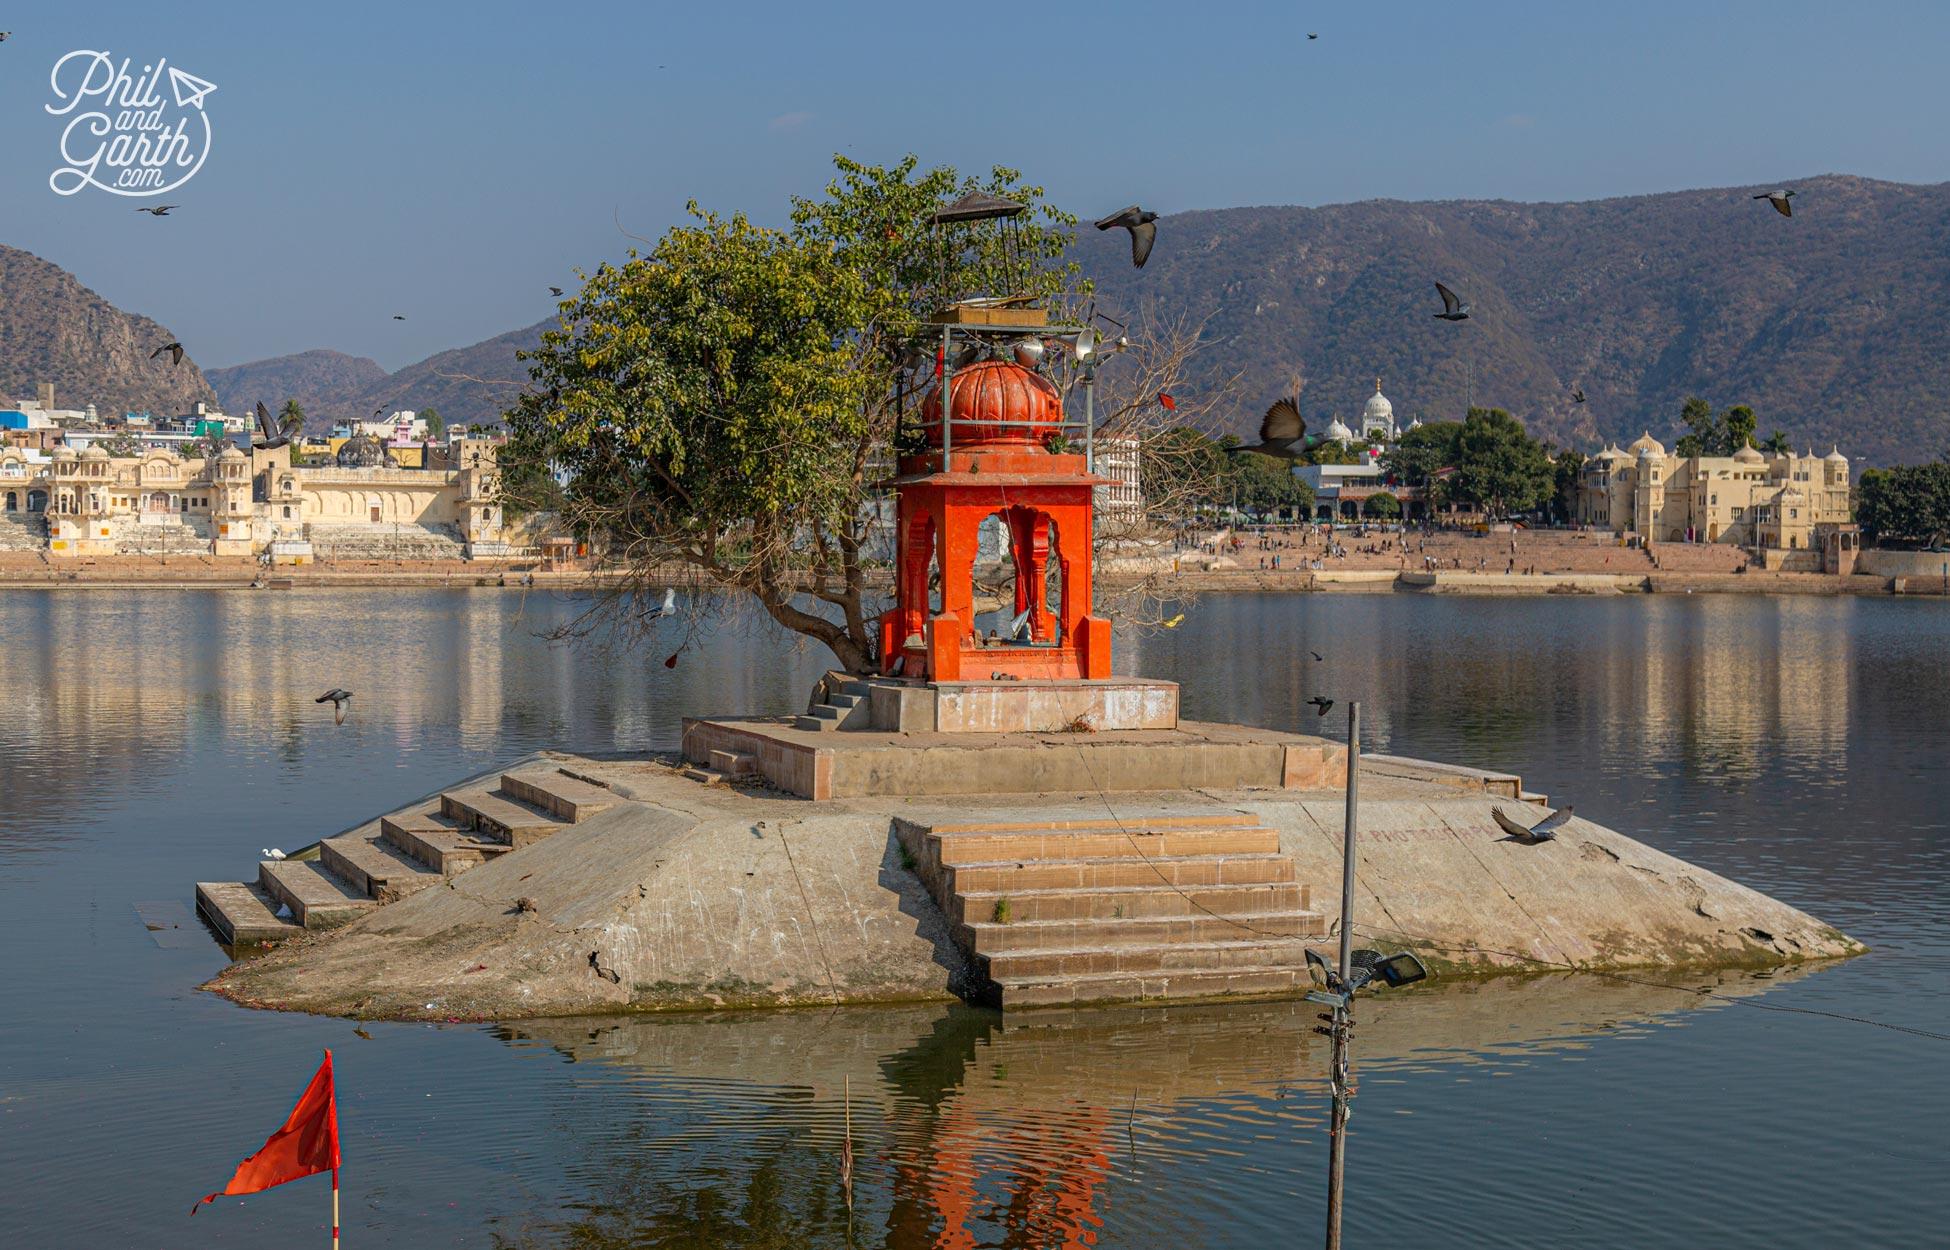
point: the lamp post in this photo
(1343, 1024)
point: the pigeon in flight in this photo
(272, 435)
(4, 34)
(1325, 705)
(1779, 199)
(1453, 309)
(1577, 395)
(1143, 233)
(556, 291)
(1544, 830)
(175, 351)
(1318, 656)
(1282, 431)
(1313, 36)
(160, 210)
(397, 317)
(376, 413)
(667, 608)
(338, 699)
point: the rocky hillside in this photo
(318, 380)
(53, 329)
(1829, 323)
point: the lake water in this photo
(149, 740)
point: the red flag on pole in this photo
(307, 1144)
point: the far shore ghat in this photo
(688, 894)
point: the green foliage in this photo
(1907, 503)
(1499, 467)
(1383, 506)
(291, 418)
(1714, 435)
(727, 400)
(436, 425)
(1567, 468)
(1001, 913)
(1422, 450)
(1187, 465)
(1778, 444)
(121, 445)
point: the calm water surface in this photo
(151, 740)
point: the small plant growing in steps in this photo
(907, 856)
(1002, 910)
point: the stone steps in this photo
(1200, 986)
(1130, 902)
(500, 815)
(1111, 872)
(566, 798)
(440, 842)
(1245, 952)
(243, 913)
(1102, 843)
(1168, 906)
(375, 869)
(317, 898)
(992, 937)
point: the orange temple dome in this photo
(997, 390)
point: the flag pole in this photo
(335, 1209)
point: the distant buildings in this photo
(84, 501)
(1752, 499)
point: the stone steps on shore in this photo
(415, 848)
(1171, 907)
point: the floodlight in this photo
(1402, 969)
(1029, 352)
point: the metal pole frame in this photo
(1343, 1025)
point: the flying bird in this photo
(1779, 199)
(4, 34)
(1543, 831)
(376, 413)
(397, 317)
(1282, 431)
(667, 608)
(160, 210)
(1318, 656)
(556, 291)
(272, 435)
(1577, 395)
(175, 351)
(338, 699)
(1143, 233)
(1325, 705)
(1313, 36)
(1453, 309)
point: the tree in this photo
(291, 419)
(1421, 451)
(1778, 444)
(436, 424)
(121, 445)
(1499, 467)
(1714, 435)
(1383, 506)
(1906, 503)
(1567, 471)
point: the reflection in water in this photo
(155, 739)
(976, 1130)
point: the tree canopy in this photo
(1724, 434)
(1906, 503)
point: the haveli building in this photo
(87, 502)
(1787, 502)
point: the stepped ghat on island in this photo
(995, 816)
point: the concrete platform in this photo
(869, 763)
(243, 913)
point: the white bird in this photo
(272, 852)
(668, 607)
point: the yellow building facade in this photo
(1749, 498)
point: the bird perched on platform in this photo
(1779, 199)
(1282, 432)
(160, 210)
(667, 608)
(1325, 705)
(338, 699)
(175, 351)
(1143, 233)
(1453, 309)
(1544, 830)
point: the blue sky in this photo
(451, 162)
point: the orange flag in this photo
(307, 1144)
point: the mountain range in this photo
(1829, 323)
